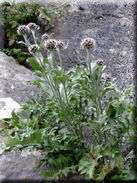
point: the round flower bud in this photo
(100, 62)
(33, 49)
(33, 26)
(60, 44)
(23, 29)
(50, 44)
(45, 37)
(88, 43)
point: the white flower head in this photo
(33, 26)
(88, 43)
(50, 44)
(23, 29)
(60, 44)
(33, 49)
(100, 62)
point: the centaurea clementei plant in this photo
(84, 117)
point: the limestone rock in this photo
(72, 2)
(111, 25)
(13, 166)
(7, 106)
(15, 80)
(1, 36)
(15, 88)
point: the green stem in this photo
(66, 95)
(26, 40)
(51, 61)
(88, 61)
(39, 61)
(51, 86)
(59, 95)
(34, 37)
(60, 60)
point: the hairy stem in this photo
(26, 40)
(60, 60)
(66, 96)
(88, 61)
(34, 37)
(51, 59)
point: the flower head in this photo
(100, 62)
(60, 44)
(88, 43)
(50, 44)
(33, 26)
(33, 49)
(23, 29)
(45, 37)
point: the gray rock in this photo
(111, 25)
(15, 83)
(1, 36)
(15, 80)
(7, 106)
(72, 2)
(14, 166)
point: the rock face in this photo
(72, 2)
(1, 36)
(15, 87)
(14, 80)
(7, 105)
(112, 26)
(13, 166)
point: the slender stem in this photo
(51, 59)
(57, 88)
(51, 86)
(101, 110)
(39, 60)
(22, 42)
(34, 37)
(26, 40)
(88, 61)
(61, 64)
(66, 95)
(39, 57)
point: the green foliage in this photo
(14, 15)
(70, 108)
